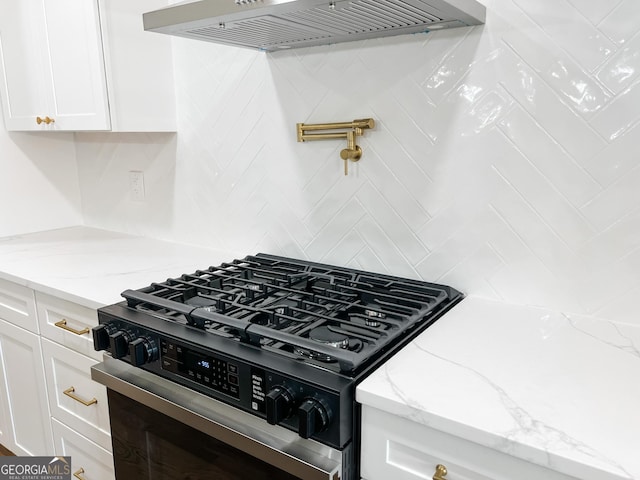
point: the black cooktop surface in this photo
(333, 317)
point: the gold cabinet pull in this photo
(79, 473)
(63, 324)
(69, 393)
(46, 120)
(441, 472)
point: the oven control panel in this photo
(278, 398)
(208, 370)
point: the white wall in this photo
(38, 182)
(504, 162)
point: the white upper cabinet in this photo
(20, 59)
(76, 65)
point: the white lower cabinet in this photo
(74, 398)
(26, 427)
(78, 405)
(88, 460)
(48, 403)
(396, 448)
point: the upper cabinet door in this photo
(24, 93)
(51, 57)
(75, 65)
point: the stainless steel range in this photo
(279, 341)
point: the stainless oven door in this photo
(204, 429)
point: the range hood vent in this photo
(271, 25)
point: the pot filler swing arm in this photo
(351, 130)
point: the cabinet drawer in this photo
(67, 323)
(88, 460)
(84, 406)
(18, 305)
(393, 447)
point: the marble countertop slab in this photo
(91, 267)
(558, 390)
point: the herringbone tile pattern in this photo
(504, 161)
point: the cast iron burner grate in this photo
(334, 317)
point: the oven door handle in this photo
(274, 445)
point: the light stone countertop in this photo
(91, 267)
(557, 390)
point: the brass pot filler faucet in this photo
(353, 129)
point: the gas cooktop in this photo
(336, 318)
(284, 339)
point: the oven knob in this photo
(142, 350)
(119, 343)
(101, 336)
(279, 405)
(314, 417)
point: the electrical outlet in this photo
(136, 186)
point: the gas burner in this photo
(372, 322)
(325, 336)
(328, 337)
(314, 355)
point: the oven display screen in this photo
(210, 371)
(206, 364)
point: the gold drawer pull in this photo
(46, 120)
(63, 324)
(79, 473)
(441, 472)
(69, 393)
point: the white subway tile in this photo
(570, 30)
(618, 200)
(398, 231)
(615, 159)
(454, 66)
(595, 10)
(335, 229)
(549, 157)
(401, 200)
(622, 24)
(568, 80)
(620, 115)
(542, 103)
(384, 249)
(623, 68)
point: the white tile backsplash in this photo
(570, 30)
(38, 182)
(622, 23)
(596, 10)
(549, 158)
(623, 68)
(620, 115)
(503, 162)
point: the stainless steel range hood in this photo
(271, 25)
